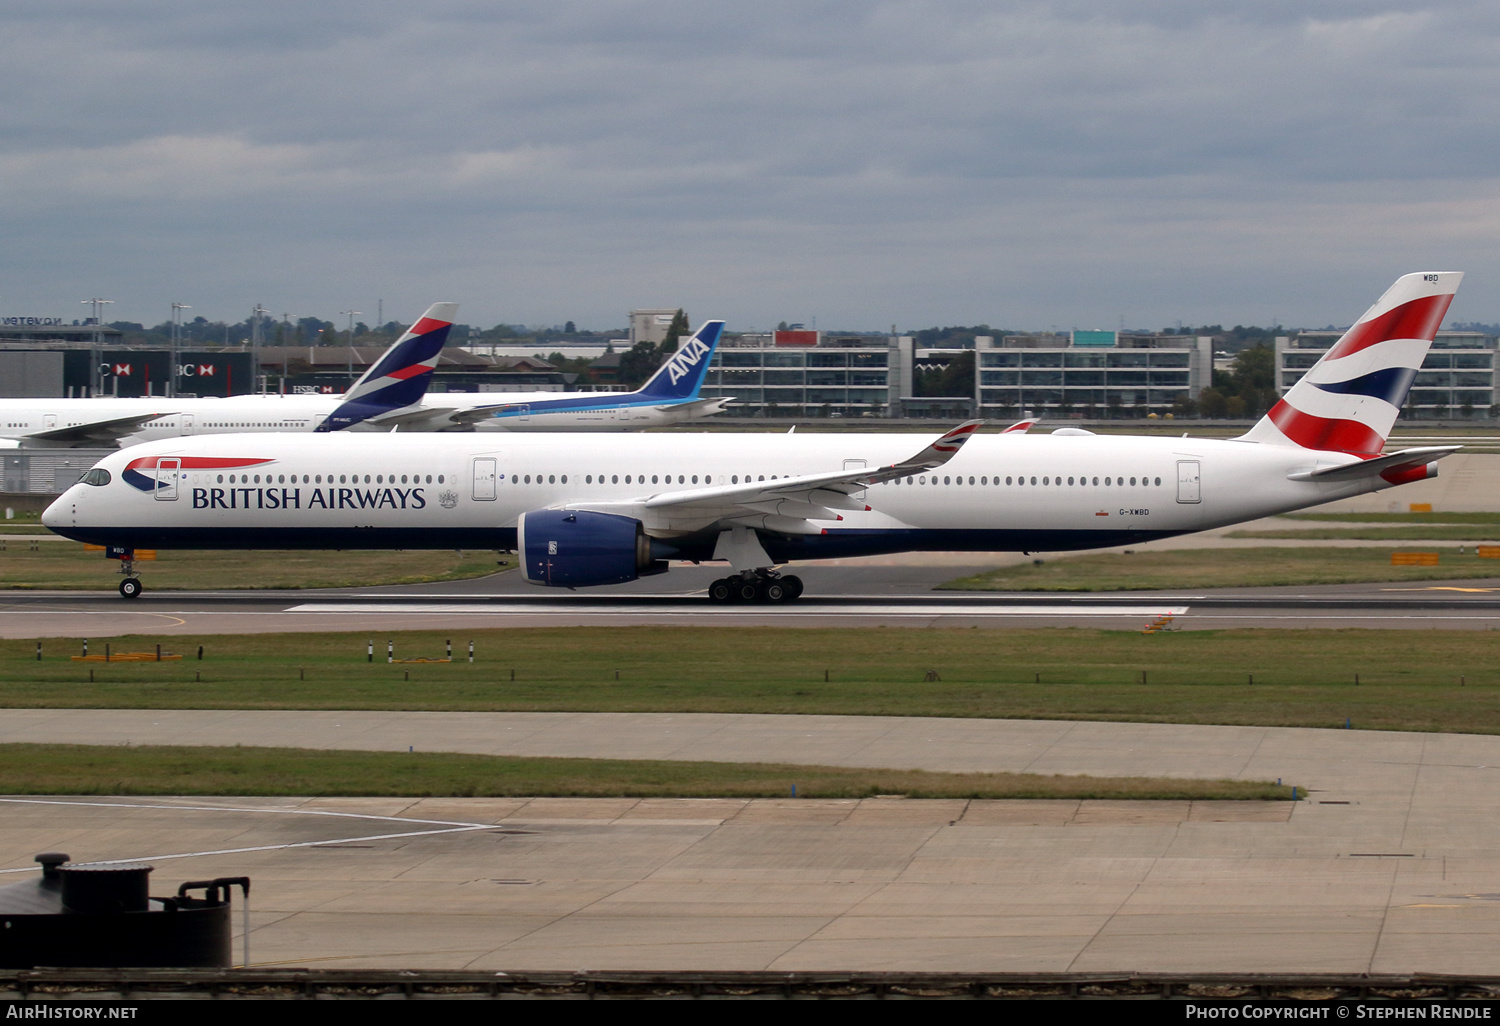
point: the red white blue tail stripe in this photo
(1349, 401)
(400, 377)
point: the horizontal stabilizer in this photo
(1406, 459)
(697, 407)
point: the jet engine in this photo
(567, 548)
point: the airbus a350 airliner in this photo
(620, 507)
(390, 395)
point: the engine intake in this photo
(564, 548)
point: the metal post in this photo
(177, 309)
(97, 349)
(257, 319)
(352, 314)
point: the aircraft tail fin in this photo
(682, 375)
(1349, 400)
(401, 376)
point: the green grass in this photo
(1434, 532)
(1301, 677)
(65, 565)
(172, 770)
(1404, 519)
(1181, 570)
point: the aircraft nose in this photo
(59, 514)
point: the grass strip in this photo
(1186, 569)
(1370, 679)
(1393, 519)
(178, 770)
(1433, 532)
(64, 565)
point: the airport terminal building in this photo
(1457, 379)
(1084, 373)
(1089, 373)
(808, 374)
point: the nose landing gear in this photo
(755, 586)
(131, 586)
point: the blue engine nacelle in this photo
(566, 548)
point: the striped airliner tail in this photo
(1349, 400)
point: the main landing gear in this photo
(755, 586)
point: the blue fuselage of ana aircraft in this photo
(999, 493)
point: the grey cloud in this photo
(881, 161)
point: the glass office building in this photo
(1457, 379)
(1089, 374)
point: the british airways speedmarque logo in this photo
(148, 475)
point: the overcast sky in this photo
(860, 164)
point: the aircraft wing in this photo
(97, 432)
(784, 505)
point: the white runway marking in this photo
(446, 827)
(802, 609)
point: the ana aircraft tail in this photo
(681, 376)
(1349, 400)
(401, 376)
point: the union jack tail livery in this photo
(400, 377)
(1350, 399)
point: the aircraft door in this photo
(856, 465)
(1189, 485)
(168, 469)
(484, 478)
(187, 423)
(49, 421)
(525, 414)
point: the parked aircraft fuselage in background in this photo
(390, 395)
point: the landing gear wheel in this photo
(777, 591)
(750, 591)
(130, 587)
(721, 592)
(793, 585)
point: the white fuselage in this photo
(27, 423)
(999, 493)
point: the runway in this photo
(1389, 866)
(837, 596)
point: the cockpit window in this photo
(96, 477)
